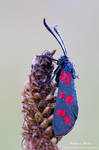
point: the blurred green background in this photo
(22, 36)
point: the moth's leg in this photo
(55, 72)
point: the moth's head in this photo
(62, 60)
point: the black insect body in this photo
(66, 109)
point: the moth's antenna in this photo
(57, 32)
(50, 30)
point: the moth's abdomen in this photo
(66, 110)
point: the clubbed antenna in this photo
(50, 30)
(57, 32)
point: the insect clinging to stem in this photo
(66, 109)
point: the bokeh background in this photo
(22, 36)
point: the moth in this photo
(66, 109)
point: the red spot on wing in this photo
(67, 120)
(62, 95)
(69, 99)
(60, 113)
(67, 78)
(62, 77)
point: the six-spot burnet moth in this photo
(66, 109)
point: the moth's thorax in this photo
(66, 64)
